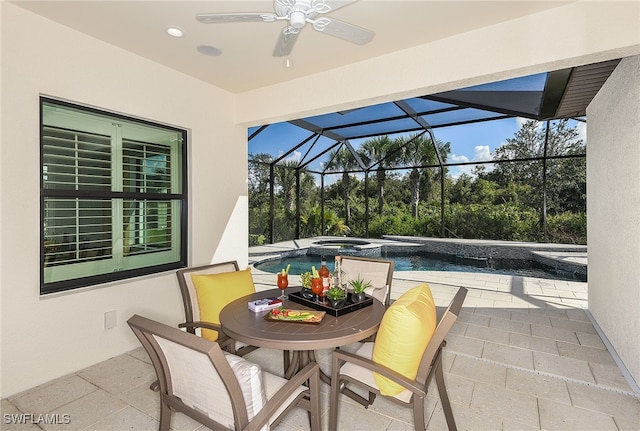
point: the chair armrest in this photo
(223, 340)
(205, 325)
(310, 372)
(341, 355)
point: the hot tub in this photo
(344, 246)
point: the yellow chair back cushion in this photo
(404, 333)
(214, 291)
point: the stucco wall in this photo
(44, 338)
(613, 212)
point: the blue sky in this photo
(469, 143)
(478, 141)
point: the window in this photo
(113, 197)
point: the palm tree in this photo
(418, 150)
(285, 176)
(343, 160)
(379, 151)
(312, 222)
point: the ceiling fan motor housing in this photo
(299, 11)
(297, 19)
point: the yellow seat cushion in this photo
(214, 291)
(404, 333)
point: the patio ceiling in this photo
(554, 95)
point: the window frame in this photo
(180, 199)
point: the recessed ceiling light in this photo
(209, 50)
(175, 32)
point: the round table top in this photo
(242, 324)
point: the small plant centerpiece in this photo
(359, 285)
(336, 296)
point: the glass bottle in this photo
(336, 276)
(324, 273)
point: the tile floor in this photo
(523, 355)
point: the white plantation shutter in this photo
(112, 197)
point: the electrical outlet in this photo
(110, 319)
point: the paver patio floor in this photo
(524, 355)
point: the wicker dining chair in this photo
(359, 369)
(218, 389)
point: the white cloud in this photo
(294, 157)
(481, 153)
(459, 159)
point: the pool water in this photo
(300, 264)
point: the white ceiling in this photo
(246, 62)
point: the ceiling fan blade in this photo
(337, 4)
(346, 31)
(285, 44)
(217, 18)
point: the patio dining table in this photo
(302, 339)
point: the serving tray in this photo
(305, 316)
(348, 306)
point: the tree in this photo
(379, 151)
(258, 188)
(259, 173)
(529, 142)
(343, 160)
(312, 223)
(285, 176)
(460, 190)
(418, 151)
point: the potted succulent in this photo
(336, 296)
(305, 280)
(358, 285)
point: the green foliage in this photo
(359, 284)
(312, 223)
(305, 280)
(256, 240)
(399, 224)
(567, 228)
(403, 223)
(486, 221)
(336, 294)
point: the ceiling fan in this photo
(297, 13)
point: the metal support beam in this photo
(366, 204)
(272, 203)
(544, 184)
(297, 203)
(322, 226)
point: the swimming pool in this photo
(420, 262)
